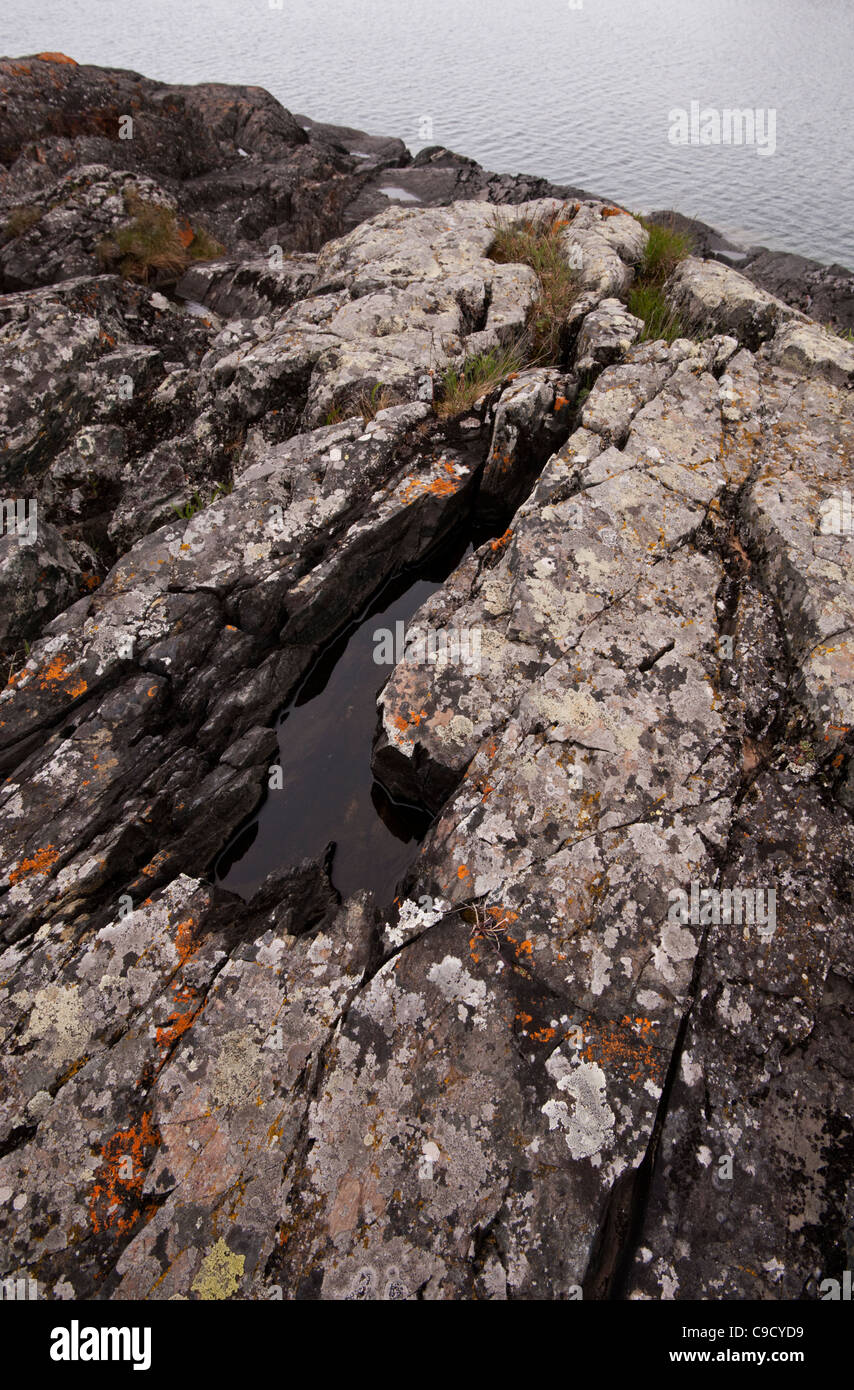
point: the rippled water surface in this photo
(581, 95)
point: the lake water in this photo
(577, 90)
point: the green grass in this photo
(18, 659)
(665, 248)
(204, 247)
(197, 503)
(371, 402)
(20, 220)
(155, 244)
(460, 387)
(660, 321)
(538, 242)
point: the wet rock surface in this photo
(600, 1040)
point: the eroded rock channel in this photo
(585, 1046)
(329, 795)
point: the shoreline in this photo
(60, 115)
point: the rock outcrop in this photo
(826, 292)
(600, 1041)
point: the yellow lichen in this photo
(220, 1273)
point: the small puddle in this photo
(326, 737)
(402, 195)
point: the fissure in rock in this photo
(326, 796)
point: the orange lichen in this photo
(437, 487)
(502, 540)
(57, 58)
(113, 1204)
(187, 999)
(543, 1035)
(628, 1044)
(56, 673)
(462, 871)
(39, 864)
(185, 945)
(415, 716)
(153, 865)
(179, 1021)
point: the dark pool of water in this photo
(326, 735)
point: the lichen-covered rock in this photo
(38, 578)
(716, 298)
(393, 303)
(606, 335)
(249, 289)
(258, 178)
(530, 417)
(763, 1086)
(566, 870)
(814, 352)
(599, 1043)
(66, 227)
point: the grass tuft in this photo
(461, 387)
(538, 242)
(20, 220)
(197, 503)
(18, 660)
(155, 243)
(370, 403)
(204, 247)
(659, 320)
(665, 248)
